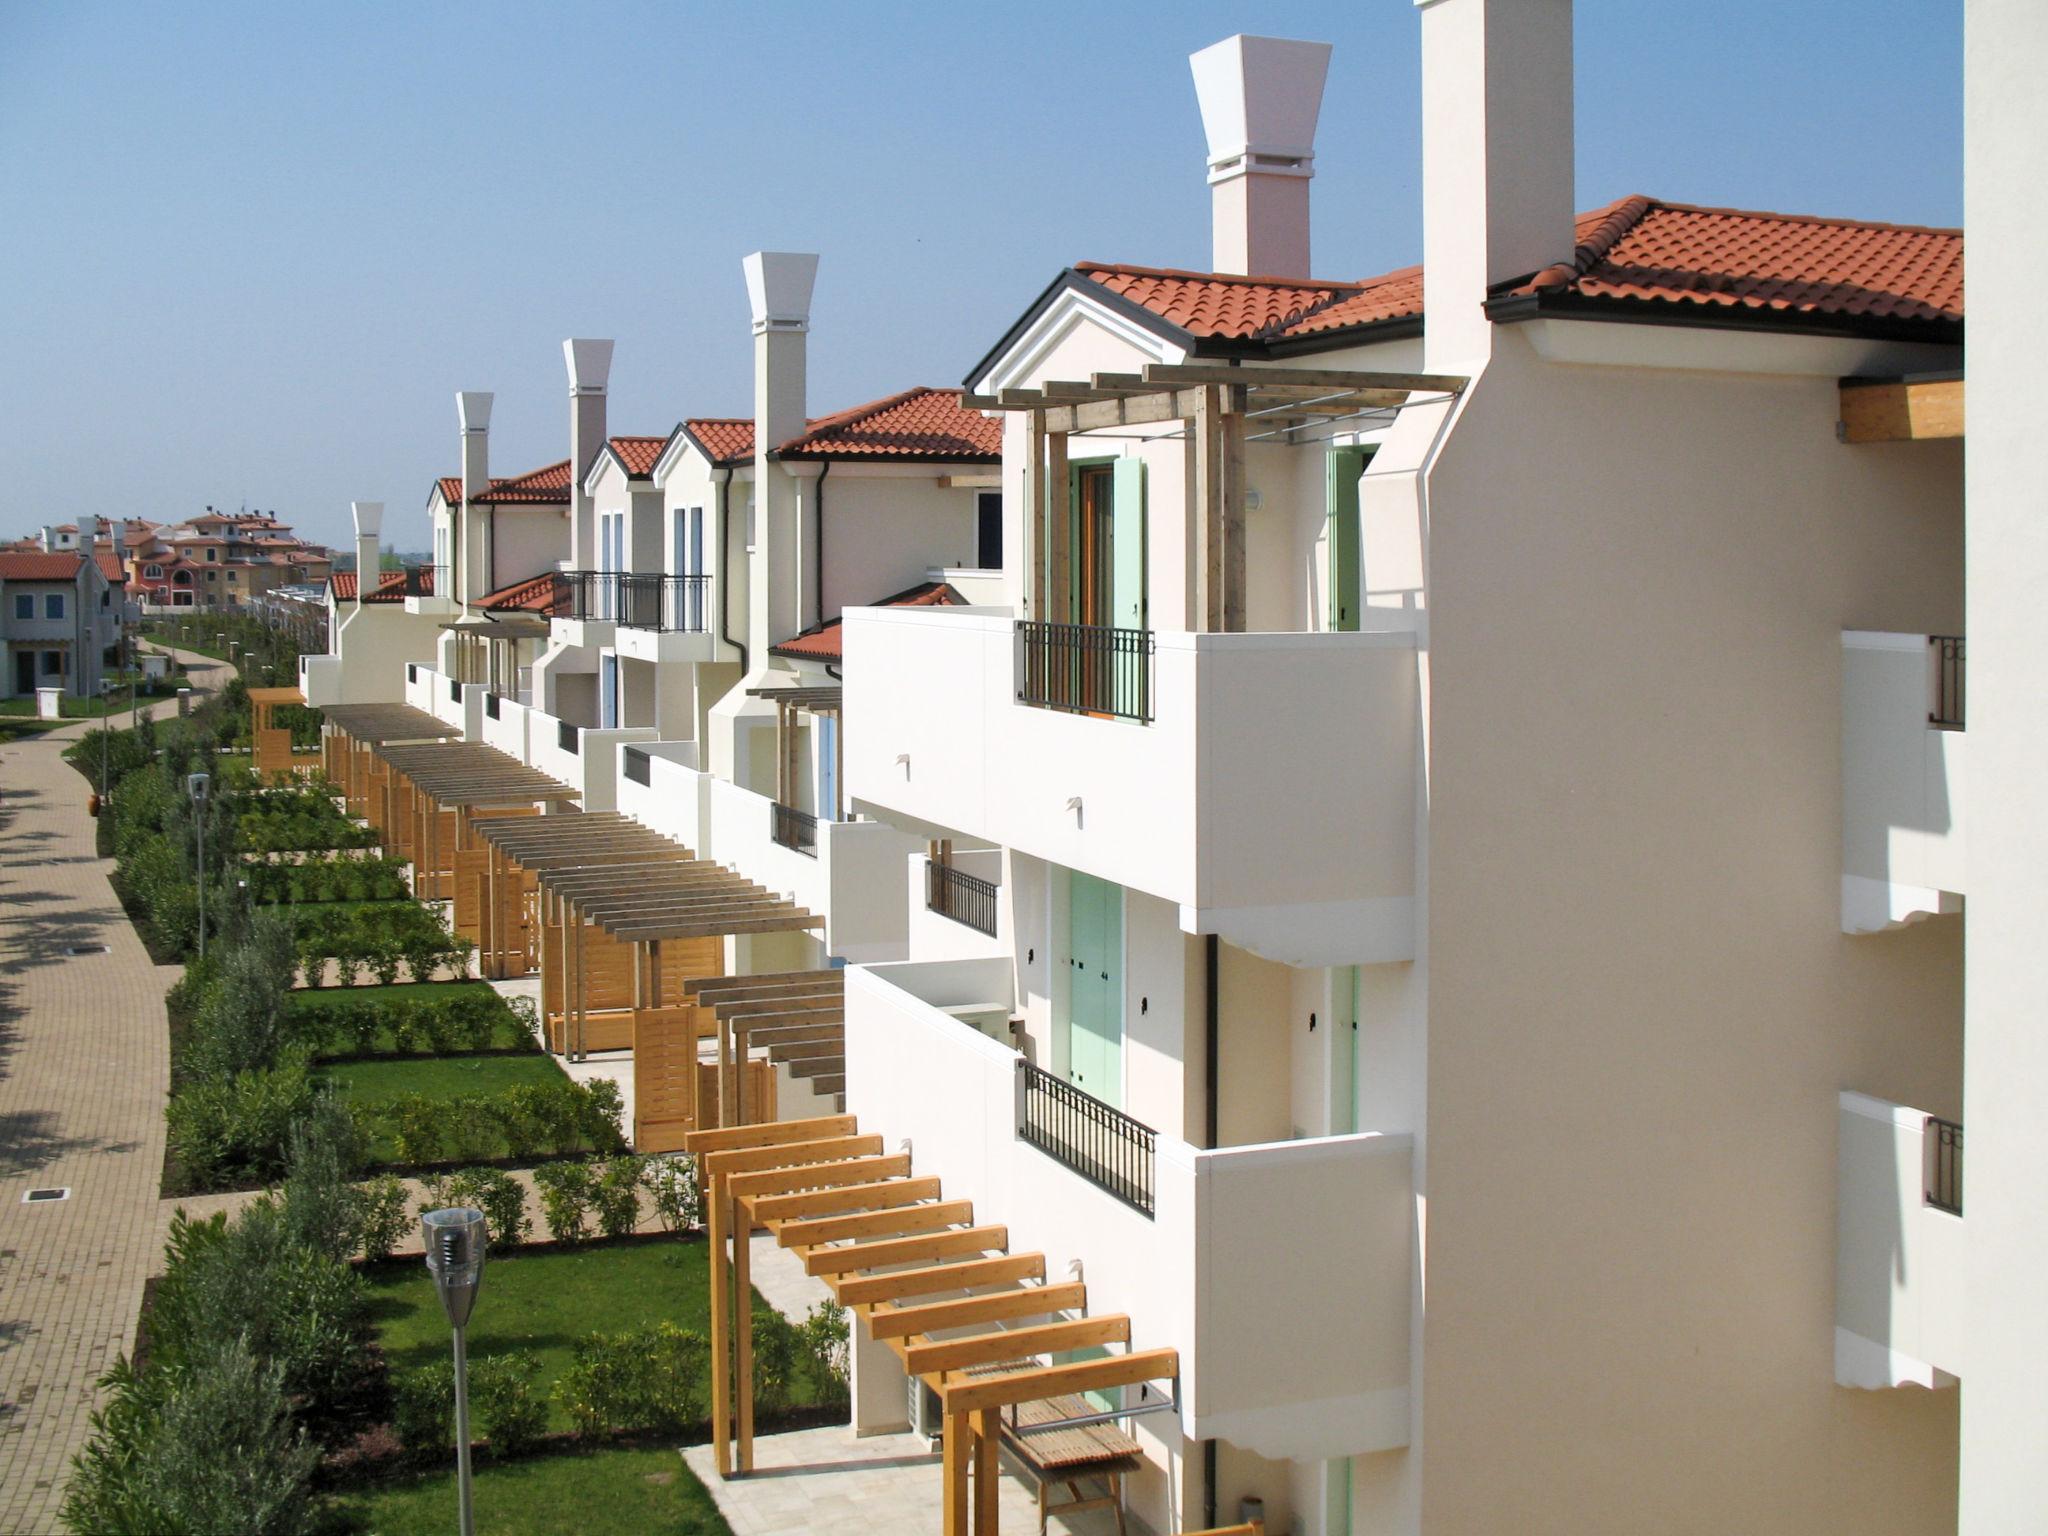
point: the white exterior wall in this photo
(886, 527)
(2005, 1410)
(527, 541)
(1904, 787)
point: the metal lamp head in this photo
(195, 785)
(454, 1240)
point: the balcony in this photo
(669, 619)
(966, 898)
(793, 829)
(1211, 779)
(1899, 1255)
(1304, 1360)
(427, 589)
(581, 756)
(1904, 778)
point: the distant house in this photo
(58, 621)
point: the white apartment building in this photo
(1442, 861)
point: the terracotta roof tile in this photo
(40, 567)
(343, 585)
(536, 594)
(638, 454)
(1634, 250)
(451, 489)
(921, 423)
(109, 564)
(823, 642)
(550, 483)
(723, 439)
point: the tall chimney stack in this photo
(1260, 97)
(779, 295)
(369, 519)
(473, 411)
(590, 370)
(1497, 192)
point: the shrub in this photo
(672, 1184)
(320, 1208)
(418, 1127)
(650, 1379)
(823, 1338)
(423, 1407)
(243, 1023)
(207, 1449)
(512, 1415)
(775, 1360)
(381, 1215)
(616, 1195)
(383, 962)
(601, 1115)
(527, 1017)
(493, 1191)
(565, 1192)
(232, 1130)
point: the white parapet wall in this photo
(1900, 1306)
(1904, 787)
(1224, 803)
(1281, 1272)
(507, 728)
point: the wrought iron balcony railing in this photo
(793, 828)
(965, 898)
(1085, 668)
(666, 603)
(1098, 1141)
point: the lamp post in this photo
(106, 688)
(195, 786)
(454, 1240)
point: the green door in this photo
(1095, 987)
(1347, 596)
(1127, 581)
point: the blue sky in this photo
(251, 251)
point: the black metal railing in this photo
(1947, 714)
(568, 737)
(636, 765)
(454, 691)
(1102, 1144)
(588, 594)
(491, 705)
(412, 672)
(963, 897)
(427, 581)
(793, 828)
(673, 603)
(1945, 1171)
(1085, 668)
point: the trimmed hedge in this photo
(531, 1120)
(369, 1023)
(327, 879)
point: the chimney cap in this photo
(473, 410)
(369, 515)
(590, 365)
(1260, 98)
(779, 289)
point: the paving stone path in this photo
(84, 1068)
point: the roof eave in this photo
(1568, 304)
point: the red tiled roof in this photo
(1635, 250)
(723, 439)
(822, 642)
(40, 567)
(109, 564)
(450, 487)
(550, 483)
(918, 423)
(343, 585)
(536, 594)
(1770, 263)
(638, 454)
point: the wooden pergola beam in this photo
(896, 1221)
(966, 1311)
(775, 1133)
(882, 1195)
(1029, 1386)
(1901, 410)
(790, 1154)
(858, 1170)
(1005, 1269)
(704, 988)
(1016, 1344)
(960, 1243)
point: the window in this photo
(988, 530)
(234, 575)
(213, 554)
(53, 663)
(687, 538)
(153, 571)
(106, 597)
(24, 605)
(213, 575)
(53, 605)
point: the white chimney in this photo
(117, 540)
(473, 413)
(1260, 97)
(590, 370)
(369, 519)
(779, 296)
(1497, 199)
(49, 538)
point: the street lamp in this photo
(454, 1240)
(106, 689)
(195, 786)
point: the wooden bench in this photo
(1068, 1453)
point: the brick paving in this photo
(84, 1067)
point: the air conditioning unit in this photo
(927, 1416)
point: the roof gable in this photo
(913, 425)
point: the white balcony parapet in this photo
(1904, 784)
(586, 757)
(320, 680)
(1899, 1257)
(1272, 795)
(1281, 1272)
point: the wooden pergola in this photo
(965, 1316)
(270, 743)
(353, 732)
(436, 795)
(815, 699)
(1217, 408)
(626, 927)
(487, 650)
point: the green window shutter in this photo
(1346, 594)
(1127, 510)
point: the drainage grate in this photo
(40, 1196)
(86, 949)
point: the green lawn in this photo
(543, 1300)
(342, 997)
(379, 1082)
(644, 1493)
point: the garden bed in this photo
(412, 1019)
(643, 1491)
(433, 1111)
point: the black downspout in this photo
(818, 543)
(1211, 1099)
(725, 570)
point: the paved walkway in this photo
(84, 1067)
